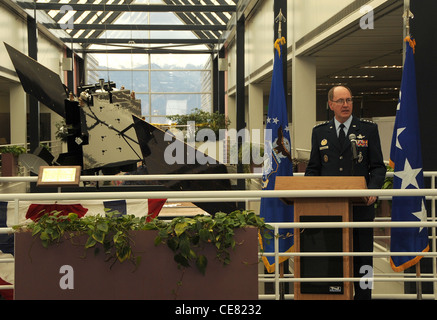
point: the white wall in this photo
(305, 16)
(13, 31)
(232, 64)
(259, 38)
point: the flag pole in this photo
(406, 17)
(282, 284)
(419, 283)
(279, 19)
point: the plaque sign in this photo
(59, 176)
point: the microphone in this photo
(352, 138)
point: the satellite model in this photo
(106, 134)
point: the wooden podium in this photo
(322, 240)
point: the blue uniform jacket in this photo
(329, 159)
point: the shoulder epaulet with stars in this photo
(321, 124)
(367, 121)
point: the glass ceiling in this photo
(129, 41)
(142, 25)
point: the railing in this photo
(255, 195)
(55, 147)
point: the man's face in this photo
(341, 104)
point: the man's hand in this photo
(370, 200)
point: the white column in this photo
(255, 112)
(18, 112)
(304, 104)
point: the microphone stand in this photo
(354, 153)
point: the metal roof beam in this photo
(145, 50)
(128, 7)
(139, 27)
(188, 18)
(139, 41)
(202, 18)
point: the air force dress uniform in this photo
(329, 158)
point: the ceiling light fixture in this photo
(382, 67)
(353, 77)
(332, 84)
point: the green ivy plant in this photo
(246, 153)
(183, 235)
(388, 182)
(203, 119)
(110, 230)
(62, 130)
(15, 150)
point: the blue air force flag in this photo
(406, 160)
(277, 161)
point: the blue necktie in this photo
(341, 135)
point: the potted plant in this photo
(246, 156)
(383, 207)
(201, 247)
(62, 130)
(299, 165)
(9, 157)
(203, 119)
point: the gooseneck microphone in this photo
(352, 138)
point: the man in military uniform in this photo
(332, 155)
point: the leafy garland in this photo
(182, 235)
